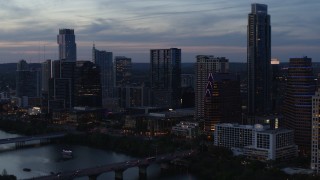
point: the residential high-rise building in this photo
(205, 65)
(122, 67)
(297, 105)
(46, 74)
(315, 148)
(222, 103)
(67, 45)
(258, 61)
(104, 60)
(166, 77)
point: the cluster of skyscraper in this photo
(102, 82)
(289, 100)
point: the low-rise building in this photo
(186, 129)
(257, 142)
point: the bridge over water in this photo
(119, 168)
(20, 141)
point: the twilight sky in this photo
(132, 27)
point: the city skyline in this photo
(133, 28)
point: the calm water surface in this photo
(42, 160)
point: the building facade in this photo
(122, 67)
(133, 96)
(315, 151)
(297, 108)
(166, 77)
(258, 61)
(186, 129)
(87, 86)
(256, 142)
(67, 45)
(46, 74)
(61, 86)
(222, 102)
(104, 60)
(205, 65)
(28, 82)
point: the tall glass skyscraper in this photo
(297, 103)
(67, 45)
(259, 61)
(166, 77)
(104, 60)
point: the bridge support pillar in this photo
(20, 144)
(118, 175)
(93, 177)
(143, 172)
(44, 141)
(164, 166)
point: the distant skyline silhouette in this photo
(131, 28)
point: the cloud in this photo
(132, 28)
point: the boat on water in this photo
(26, 169)
(66, 154)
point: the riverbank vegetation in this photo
(27, 127)
(5, 176)
(135, 146)
(219, 163)
(210, 163)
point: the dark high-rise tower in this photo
(222, 102)
(166, 77)
(67, 45)
(297, 110)
(46, 73)
(258, 61)
(104, 60)
(87, 86)
(122, 67)
(27, 81)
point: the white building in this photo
(257, 142)
(186, 129)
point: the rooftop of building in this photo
(262, 128)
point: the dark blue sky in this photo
(132, 27)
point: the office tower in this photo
(315, 151)
(46, 73)
(258, 61)
(122, 70)
(28, 82)
(104, 60)
(222, 102)
(133, 96)
(205, 65)
(297, 110)
(166, 77)
(67, 45)
(278, 85)
(87, 86)
(61, 87)
(22, 65)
